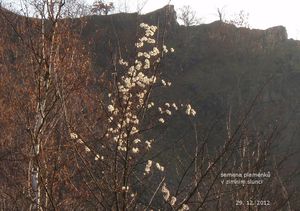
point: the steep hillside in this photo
(218, 67)
(221, 69)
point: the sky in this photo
(262, 13)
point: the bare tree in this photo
(240, 19)
(188, 16)
(220, 14)
(99, 7)
(49, 52)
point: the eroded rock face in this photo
(166, 12)
(276, 34)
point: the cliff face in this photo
(276, 34)
(217, 67)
